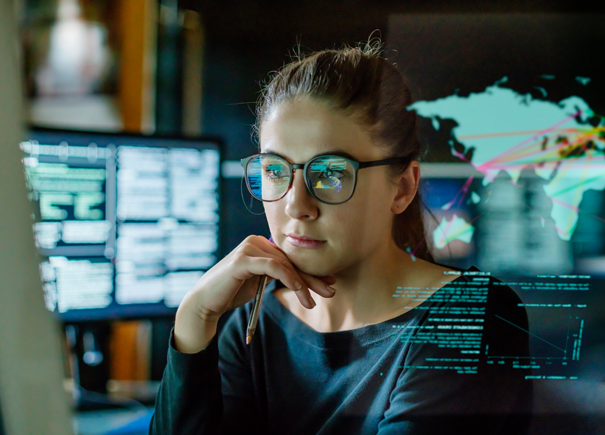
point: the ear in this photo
(407, 186)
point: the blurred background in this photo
(138, 112)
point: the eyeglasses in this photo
(330, 179)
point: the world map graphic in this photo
(563, 142)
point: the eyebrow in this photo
(332, 153)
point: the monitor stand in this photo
(89, 363)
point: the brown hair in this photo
(362, 83)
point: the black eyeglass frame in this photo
(293, 166)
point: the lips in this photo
(305, 242)
(305, 238)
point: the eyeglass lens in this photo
(331, 177)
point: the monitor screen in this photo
(125, 224)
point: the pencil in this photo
(256, 308)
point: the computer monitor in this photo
(126, 223)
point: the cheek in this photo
(372, 200)
(355, 223)
(368, 212)
(275, 215)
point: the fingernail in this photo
(332, 289)
(298, 285)
(313, 304)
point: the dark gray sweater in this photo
(427, 371)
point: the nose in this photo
(300, 204)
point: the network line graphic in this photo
(575, 328)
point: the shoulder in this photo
(507, 323)
(503, 300)
(500, 296)
(496, 304)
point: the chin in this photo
(315, 266)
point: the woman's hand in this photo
(233, 282)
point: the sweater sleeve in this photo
(495, 400)
(189, 400)
(205, 394)
(245, 407)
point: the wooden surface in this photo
(137, 29)
(130, 350)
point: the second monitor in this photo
(126, 224)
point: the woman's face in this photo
(352, 231)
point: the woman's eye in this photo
(273, 173)
(332, 173)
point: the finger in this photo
(305, 299)
(257, 248)
(254, 250)
(263, 243)
(328, 279)
(268, 247)
(309, 282)
(284, 272)
(259, 245)
(317, 285)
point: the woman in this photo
(355, 335)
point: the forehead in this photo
(302, 129)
